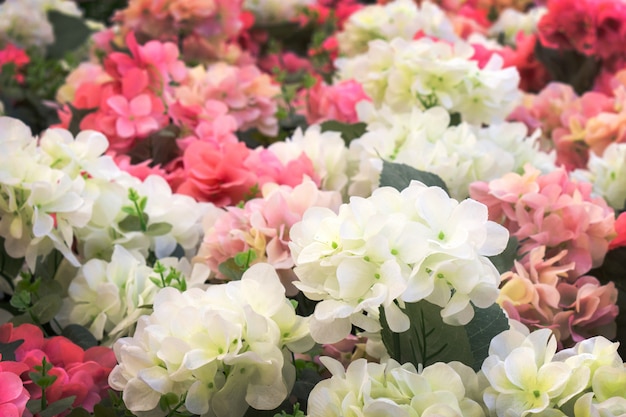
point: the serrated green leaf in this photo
(428, 339)
(158, 229)
(79, 335)
(7, 350)
(58, 407)
(230, 270)
(399, 176)
(504, 261)
(349, 131)
(486, 324)
(46, 308)
(70, 32)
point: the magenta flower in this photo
(13, 395)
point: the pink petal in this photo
(119, 104)
(125, 128)
(146, 125)
(141, 105)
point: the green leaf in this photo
(504, 261)
(21, 300)
(104, 411)
(77, 117)
(7, 350)
(79, 335)
(58, 407)
(244, 259)
(132, 223)
(230, 270)
(428, 339)
(79, 412)
(158, 229)
(399, 176)
(349, 131)
(70, 32)
(46, 308)
(49, 287)
(47, 266)
(486, 324)
(21, 319)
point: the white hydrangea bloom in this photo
(275, 11)
(25, 22)
(511, 21)
(425, 141)
(326, 150)
(397, 19)
(426, 73)
(222, 349)
(608, 174)
(390, 389)
(395, 247)
(109, 297)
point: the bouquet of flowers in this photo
(249, 208)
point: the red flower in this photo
(620, 228)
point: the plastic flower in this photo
(13, 395)
(371, 389)
(394, 247)
(220, 350)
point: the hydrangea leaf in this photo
(399, 176)
(486, 324)
(428, 339)
(46, 308)
(79, 335)
(70, 32)
(505, 260)
(349, 131)
(58, 407)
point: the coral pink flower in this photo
(135, 116)
(13, 395)
(79, 373)
(217, 174)
(332, 102)
(620, 229)
(11, 54)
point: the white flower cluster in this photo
(608, 174)
(393, 248)
(397, 19)
(326, 150)
(426, 141)
(526, 377)
(109, 297)
(426, 73)
(373, 389)
(25, 22)
(511, 21)
(222, 349)
(63, 192)
(275, 11)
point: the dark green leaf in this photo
(58, 407)
(48, 287)
(158, 229)
(46, 308)
(79, 335)
(569, 66)
(230, 270)
(349, 131)
(504, 262)
(34, 405)
(21, 319)
(100, 410)
(70, 32)
(77, 117)
(399, 176)
(7, 350)
(428, 339)
(486, 324)
(79, 412)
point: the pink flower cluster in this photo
(262, 225)
(206, 29)
(230, 173)
(338, 101)
(129, 105)
(250, 95)
(540, 293)
(78, 372)
(11, 54)
(576, 125)
(553, 211)
(591, 27)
